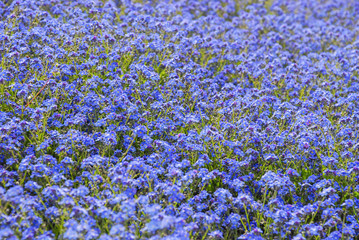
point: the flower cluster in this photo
(183, 119)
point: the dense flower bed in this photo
(179, 119)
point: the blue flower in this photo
(32, 186)
(216, 234)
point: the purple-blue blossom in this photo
(179, 119)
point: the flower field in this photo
(188, 119)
